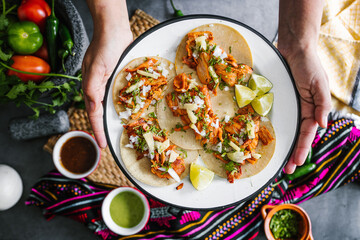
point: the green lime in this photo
(244, 95)
(259, 84)
(262, 104)
(200, 176)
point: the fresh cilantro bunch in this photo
(12, 89)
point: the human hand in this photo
(99, 62)
(312, 84)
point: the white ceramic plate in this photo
(162, 40)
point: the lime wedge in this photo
(262, 104)
(244, 95)
(259, 84)
(200, 176)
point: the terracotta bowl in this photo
(268, 212)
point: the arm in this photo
(111, 36)
(299, 24)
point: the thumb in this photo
(94, 90)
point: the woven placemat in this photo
(107, 172)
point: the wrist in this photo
(291, 48)
(299, 26)
(110, 17)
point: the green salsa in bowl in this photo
(285, 224)
(125, 211)
(286, 221)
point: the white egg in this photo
(11, 187)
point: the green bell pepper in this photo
(25, 37)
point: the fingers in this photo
(94, 90)
(322, 101)
(290, 167)
(95, 113)
(307, 134)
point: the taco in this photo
(139, 85)
(149, 155)
(218, 54)
(247, 147)
(187, 113)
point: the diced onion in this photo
(129, 145)
(256, 155)
(201, 43)
(125, 115)
(154, 75)
(234, 146)
(250, 127)
(134, 87)
(192, 116)
(150, 142)
(173, 156)
(190, 106)
(128, 77)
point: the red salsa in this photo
(78, 155)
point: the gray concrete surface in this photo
(335, 215)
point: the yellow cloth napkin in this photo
(339, 50)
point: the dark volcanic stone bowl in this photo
(68, 15)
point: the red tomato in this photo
(29, 64)
(43, 52)
(35, 11)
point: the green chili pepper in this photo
(177, 12)
(51, 28)
(63, 53)
(65, 36)
(309, 156)
(301, 171)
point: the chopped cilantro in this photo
(214, 61)
(152, 115)
(201, 95)
(178, 125)
(241, 80)
(213, 49)
(231, 167)
(222, 85)
(184, 152)
(228, 69)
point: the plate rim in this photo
(178, 19)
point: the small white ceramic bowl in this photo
(105, 211)
(60, 143)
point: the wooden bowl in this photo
(268, 212)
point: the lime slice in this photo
(244, 95)
(259, 84)
(262, 104)
(200, 176)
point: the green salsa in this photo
(127, 209)
(285, 224)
